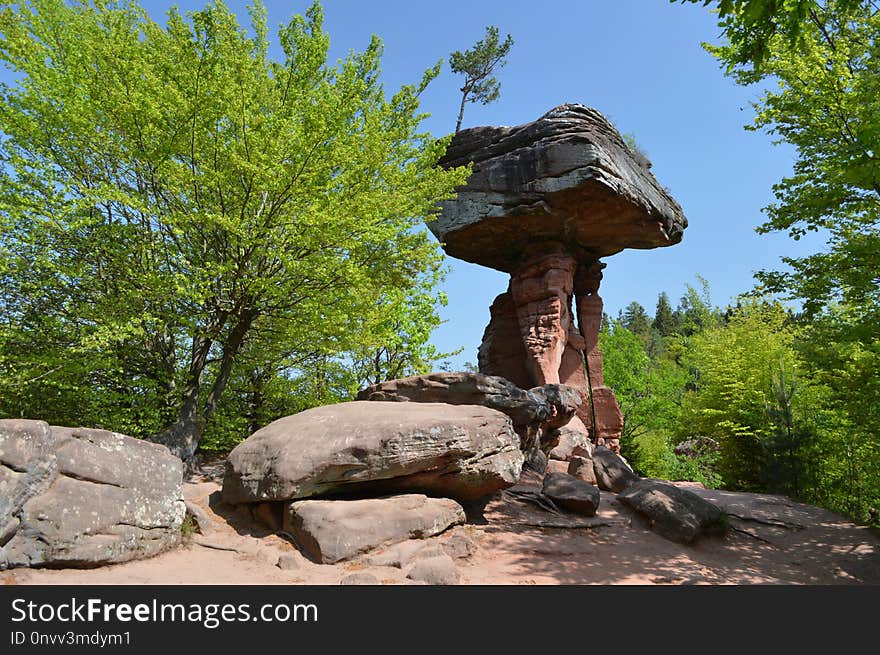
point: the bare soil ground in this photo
(772, 540)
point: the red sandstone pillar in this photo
(541, 289)
(606, 420)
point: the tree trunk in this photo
(230, 351)
(464, 95)
(182, 436)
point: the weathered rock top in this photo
(566, 177)
(84, 497)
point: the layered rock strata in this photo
(546, 200)
(362, 448)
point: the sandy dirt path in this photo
(774, 541)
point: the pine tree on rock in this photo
(477, 66)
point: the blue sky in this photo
(637, 61)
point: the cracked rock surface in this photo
(365, 448)
(566, 177)
(84, 497)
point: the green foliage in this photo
(823, 102)
(636, 149)
(178, 209)
(635, 319)
(702, 468)
(648, 390)
(478, 65)
(752, 395)
(695, 312)
(752, 26)
(188, 528)
(664, 321)
(794, 404)
(819, 64)
(409, 318)
(845, 361)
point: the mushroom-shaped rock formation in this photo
(545, 201)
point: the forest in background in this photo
(196, 239)
(783, 404)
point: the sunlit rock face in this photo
(546, 200)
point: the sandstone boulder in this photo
(523, 407)
(459, 546)
(289, 561)
(330, 531)
(397, 555)
(556, 466)
(566, 177)
(677, 514)
(582, 468)
(84, 497)
(464, 452)
(612, 472)
(571, 494)
(570, 436)
(536, 411)
(439, 569)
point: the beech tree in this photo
(171, 199)
(818, 62)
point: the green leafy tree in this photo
(818, 63)
(845, 361)
(820, 67)
(478, 65)
(755, 26)
(750, 396)
(823, 102)
(695, 311)
(409, 320)
(649, 392)
(173, 201)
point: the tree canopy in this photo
(817, 65)
(177, 207)
(821, 72)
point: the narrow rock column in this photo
(606, 414)
(542, 289)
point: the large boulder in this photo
(330, 531)
(84, 497)
(569, 437)
(567, 177)
(546, 407)
(464, 452)
(612, 472)
(675, 513)
(571, 494)
(464, 388)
